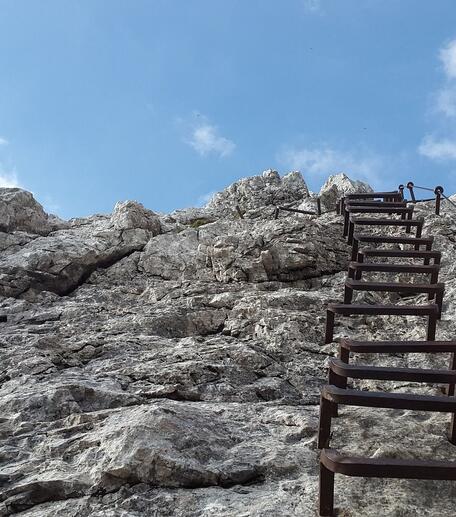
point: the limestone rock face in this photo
(284, 250)
(338, 185)
(171, 364)
(20, 211)
(259, 191)
(131, 215)
(59, 262)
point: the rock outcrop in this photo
(252, 194)
(170, 364)
(337, 186)
(19, 211)
(131, 215)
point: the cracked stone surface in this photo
(170, 364)
(338, 185)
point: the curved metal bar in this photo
(421, 200)
(438, 191)
(424, 188)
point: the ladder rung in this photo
(380, 399)
(361, 371)
(391, 253)
(390, 239)
(383, 310)
(374, 195)
(378, 210)
(384, 267)
(386, 222)
(387, 467)
(391, 347)
(397, 287)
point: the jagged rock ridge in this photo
(171, 364)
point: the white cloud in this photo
(205, 139)
(8, 179)
(320, 162)
(440, 150)
(448, 57)
(313, 6)
(443, 148)
(3, 141)
(446, 101)
(445, 97)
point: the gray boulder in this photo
(131, 215)
(20, 211)
(251, 194)
(337, 186)
(64, 259)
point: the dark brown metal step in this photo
(333, 396)
(389, 467)
(394, 253)
(375, 195)
(342, 370)
(379, 309)
(369, 202)
(392, 239)
(435, 291)
(394, 287)
(403, 211)
(381, 209)
(347, 345)
(356, 269)
(336, 392)
(372, 221)
(431, 311)
(389, 239)
(393, 347)
(371, 197)
(331, 462)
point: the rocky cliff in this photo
(170, 364)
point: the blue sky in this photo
(166, 101)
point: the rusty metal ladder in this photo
(336, 392)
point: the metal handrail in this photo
(438, 191)
(297, 210)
